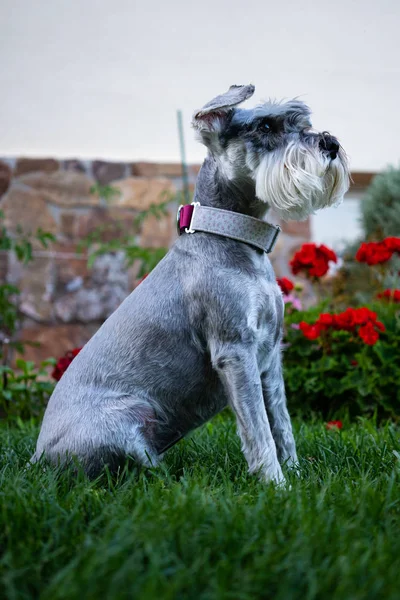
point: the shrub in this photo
(380, 218)
(349, 360)
(380, 209)
(24, 392)
(340, 371)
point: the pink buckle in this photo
(184, 217)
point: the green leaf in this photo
(45, 237)
(49, 362)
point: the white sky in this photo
(85, 78)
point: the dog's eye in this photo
(266, 125)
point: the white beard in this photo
(300, 179)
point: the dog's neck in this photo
(214, 188)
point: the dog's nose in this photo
(329, 144)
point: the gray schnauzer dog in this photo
(203, 330)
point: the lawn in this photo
(200, 527)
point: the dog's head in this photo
(295, 170)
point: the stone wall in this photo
(62, 301)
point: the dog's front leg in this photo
(237, 367)
(273, 387)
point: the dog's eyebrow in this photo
(282, 109)
(248, 118)
(269, 118)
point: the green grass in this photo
(200, 527)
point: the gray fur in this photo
(201, 332)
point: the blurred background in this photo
(89, 137)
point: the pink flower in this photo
(295, 302)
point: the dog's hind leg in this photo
(107, 435)
(275, 403)
(237, 367)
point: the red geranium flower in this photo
(313, 260)
(368, 334)
(345, 320)
(374, 253)
(327, 252)
(334, 425)
(285, 284)
(311, 332)
(319, 268)
(361, 320)
(391, 295)
(326, 320)
(63, 363)
(392, 243)
(362, 315)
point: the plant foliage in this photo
(25, 390)
(380, 208)
(340, 373)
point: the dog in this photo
(203, 330)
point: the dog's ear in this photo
(213, 115)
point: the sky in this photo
(104, 79)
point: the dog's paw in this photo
(277, 478)
(293, 466)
